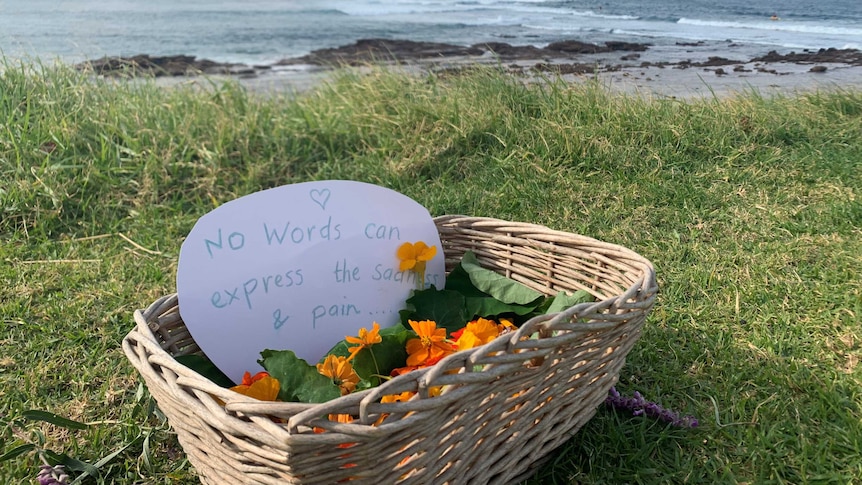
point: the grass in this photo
(749, 207)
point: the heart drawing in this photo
(320, 197)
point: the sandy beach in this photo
(651, 81)
(699, 79)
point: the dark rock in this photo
(375, 50)
(566, 68)
(160, 66)
(576, 47)
(365, 51)
(720, 72)
(715, 61)
(767, 71)
(771, 56)
(626, 46)
(852, 57)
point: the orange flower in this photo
(478, 332)
(403, 397)
(260, 386)
(365, 339)
(403, 370)
(341, 418)
(410, 368)
(338, 418)
(344, 419)
(390, 398)
(431, 344)
(414, 255)
(341, 372)
(248, 379)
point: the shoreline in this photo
(685, 70)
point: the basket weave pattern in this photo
(504, 406)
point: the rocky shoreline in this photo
(669, 71)
(564, 57)
(363, 52)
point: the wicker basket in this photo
(504, 406)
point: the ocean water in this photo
(264, 31)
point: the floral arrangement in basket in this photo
(477, 306)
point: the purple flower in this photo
(639, 406)
(52, 475)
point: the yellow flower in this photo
(413, 256)
(260, 386)
(506, 326)
(431, 344)
(365, 339)
(478, 332)
(340, 371)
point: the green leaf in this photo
(73, 464)
(445, 307)
(146, 453)
(396, 331)
(206, 368)
(459, 280)
(482, 304)
(406, 315)
(366, 384)
(389, 354)
(17, 451)
(299, 380)
(504, 289)
(48, 417)
(339, 349)
(563, 301)
(105, 460)
(109, 457)
(488, 307)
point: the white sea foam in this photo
(569, 30)
(776, 25)
(499, 20)
(590, 13)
